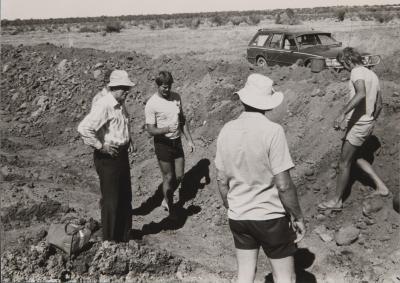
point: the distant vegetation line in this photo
(301, 13)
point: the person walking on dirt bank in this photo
(165, 121)
(106, 129)
(361, 113)
(253, 164)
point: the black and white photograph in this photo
(210, 141)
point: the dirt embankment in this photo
(46, 171)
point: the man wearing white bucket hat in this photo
(106, 129)
(253, 163)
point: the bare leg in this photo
(283, 270)
(247, 264)
(381, 188)
(179, 171)
(346, 160)
(168, 175)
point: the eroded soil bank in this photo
(47, 174)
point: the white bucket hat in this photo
(258, 93)
(120, 78)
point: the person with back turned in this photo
(253, 175)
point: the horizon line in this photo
(188, 13)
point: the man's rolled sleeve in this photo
(279, 154)
(150, 114)
(89, 126)
(218, 160)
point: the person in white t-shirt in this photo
(165, 121)
(360, 113)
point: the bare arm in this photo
(154, 131)
(223, 187)
(378, 105)
(288, 195)
(359, 87)
(185, 129)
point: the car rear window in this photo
(307, 39)
(260, 40)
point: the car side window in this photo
(307, 39)
(260, 40)
(289, 43)
(276, 40)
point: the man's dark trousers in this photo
(116, 194)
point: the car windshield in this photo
(315, 39)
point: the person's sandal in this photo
(326, 207)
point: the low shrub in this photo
(237, 20)
(195, 23)
(89, 29)
(383, 17)
(286, 19)
(364, 17)
(113, 27)
(18, 30)
(166, 24)
(153, 25)
(217, 20)
(278, 19)
(339, 14)
(253, 19)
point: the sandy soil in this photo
(47, 174)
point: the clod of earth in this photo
(346, 235)
(372, 205)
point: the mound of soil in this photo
(100, 262)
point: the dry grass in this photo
(223, 42)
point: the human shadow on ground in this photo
(303, 259)
(366, 151)
(151, 203)
(191, 183)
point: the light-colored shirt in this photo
(99, 95)
(107, 122)
(163, 112)
(363, 112)
(250, 151)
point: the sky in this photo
(42, 9)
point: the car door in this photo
(273, 48)
(290, 51)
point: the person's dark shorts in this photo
(275, 236)
(167, 149)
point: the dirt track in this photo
(47, 174)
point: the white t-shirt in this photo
(250, 151)
(363, 112)
(164, 112)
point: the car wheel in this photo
(261, 61)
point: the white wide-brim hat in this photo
(120, 78)
(258, 93)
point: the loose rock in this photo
(372, 205)
(346, 235)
